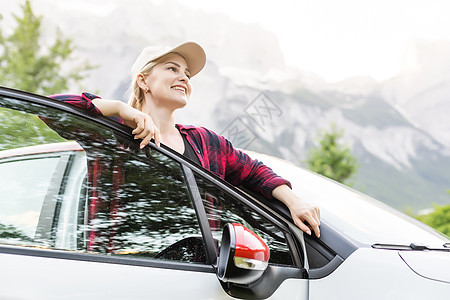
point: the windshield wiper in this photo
(410, 247)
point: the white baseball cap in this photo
(192, 52)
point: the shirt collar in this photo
(183, 128)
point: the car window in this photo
(77, 185)
(222, 208)
(23, 199)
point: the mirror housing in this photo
(243, 256)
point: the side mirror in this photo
(243, 256)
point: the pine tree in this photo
(331, 158)
(26, 64)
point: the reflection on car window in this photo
(95, 195)
(222, 208)
(139, 206)
(20, 129)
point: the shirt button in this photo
(198, 151)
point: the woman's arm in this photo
(142, 124)
(301, 211)
(241, 169)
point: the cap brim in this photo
(194, 55)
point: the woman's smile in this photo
(180, 88)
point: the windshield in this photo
(358, 216)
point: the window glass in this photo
(20, 129)
(22, 199)
(222, 208)
(95, 195)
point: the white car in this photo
(85, 214)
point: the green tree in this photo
(439, 219)
(19, 129)
(27, 64)
(11, 232)
(331, 158)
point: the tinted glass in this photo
(95, 195)
(222, 208)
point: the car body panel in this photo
(50, 278)
(28, 277)
(376, 274)
(434, 265)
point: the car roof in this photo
(39, 149)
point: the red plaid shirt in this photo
(215, 153)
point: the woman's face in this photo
(168, 81)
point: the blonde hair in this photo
(137, 95)
(136, 99)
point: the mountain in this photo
(399, 164)
(422, 90)
(398, 129)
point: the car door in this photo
(86, 214)
(285, 277)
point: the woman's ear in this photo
(140, 80)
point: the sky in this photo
(338, 39)
(335, 39)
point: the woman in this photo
(160, 84)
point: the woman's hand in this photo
(143, 126)
(301, 211)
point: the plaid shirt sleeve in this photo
(251, 173)
(220, 157)
(83, 101)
